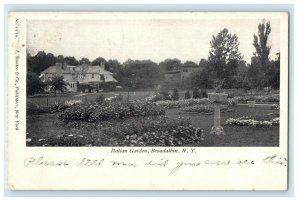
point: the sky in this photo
(185, 39)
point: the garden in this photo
(116, 121)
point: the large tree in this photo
(71, 61)
(260, 42)
(224, 57)
(260, 63)
(57, 83)
(98, 61)
(170, 64)
(139, 74)
(33, 84)
(40, 61)
(84, 61)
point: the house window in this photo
(92, 75)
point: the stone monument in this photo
(217, 99)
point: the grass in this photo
(44, 125)
(87, 97)
(234, 135)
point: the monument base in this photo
(217, 130)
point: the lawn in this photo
(234, 135)
(44, 125)
(87, 97)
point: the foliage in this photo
(196, 93)
(170, 64)
(260, 42)
(175, 95)
(248, 121)
(139, 74)
(109, 111)
(98, 61)
(187, 95)
(168, 104)
(271, 98)
(100, 99)
(33, 108)
(205, 108)
(84, 61)
(146, 131)
(71, 61)
(57, 83)
(33, 84)
(224, 57)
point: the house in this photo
(81, 78)
(187, 70)
(173, 76)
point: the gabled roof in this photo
(77, 69)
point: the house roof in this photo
(172, 72)
(77, 69)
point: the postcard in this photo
(148, 101)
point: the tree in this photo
(113, 66)
(71, 61)
(139, 74)
(260, 62)
(223, 59)
(98, 61)
(57, 83)
(84, 61)
(273, 74)
(190, 63)
(33, 84)
(175, 94)
(170, 64)
(260, 42)
(40, 62)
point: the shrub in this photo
(119, 97)
(203, 94)
(146, 131)
(175, 95)
(34, 108)
(247, 121)
(204, 108)
(187, 95)
(196, 93)
(110, 111)
(100, 99)
(181, 103)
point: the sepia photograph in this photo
(148, 101)
(153, 82)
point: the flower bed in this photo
(249, 121)
(110, 111)
(181, 103)
(273, 98)
(145, 131)
(205, 108)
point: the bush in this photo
(33, 108)
(196, 93)
(181, 103)
(146, 131)
(100, 99)
(247, 121)
(110, 111)
(203, 94)
(175, 95)
(187, 95)
(119, 97)
(204, 108)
